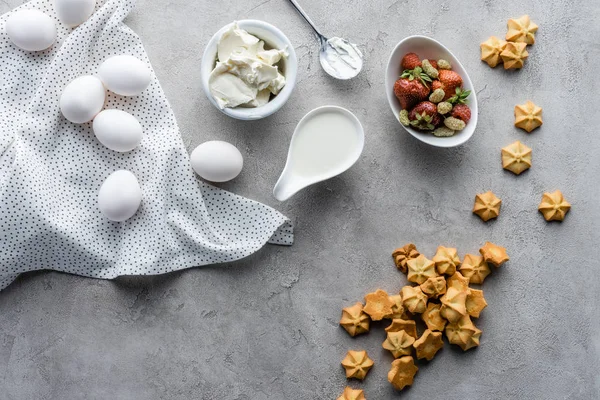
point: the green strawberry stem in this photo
(460, 97)
(418, 73)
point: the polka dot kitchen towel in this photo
(51, 171)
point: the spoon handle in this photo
(307, 18)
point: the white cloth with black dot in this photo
(51, 170)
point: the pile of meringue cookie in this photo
(441, 297)
(84, 98)
(512, 52)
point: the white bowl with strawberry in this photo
(430, 93)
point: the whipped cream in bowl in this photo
(249, 69)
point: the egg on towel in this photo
(217, 161)
(120, 196)
(82, 99)
(118, 130)
(125, 75)
(31, 30)
(74, 12)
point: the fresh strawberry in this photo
(410, 61)
(462, 112)
(433, 63)
(449, 81)
(424, 116)
(411, 88)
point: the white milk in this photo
(327, 141)
(322, 144)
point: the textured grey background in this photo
(267, 327)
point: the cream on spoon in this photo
(339, 57)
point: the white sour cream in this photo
(245, 74)
(342, 59)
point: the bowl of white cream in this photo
(249, 69)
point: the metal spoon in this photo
(339, 57)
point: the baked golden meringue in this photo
(406, 325)
(446, 260)
(352, 394)
(413, 298)
(491, 49)
(354, 320)
(420, 269)
(402, 254)
(378, 305)
(463, 333)
(434, 287)
(475, 268)
(514, 55)
(487, 206)
(516, 157)
(554, 207)
(521, 30)
(402, 372)
(397, 307)
(454, 304)
(494, 254)
(357, 364)
(432, 317)
(428, 344)
(399, 343)
(475, 303)
(528, 116)
(458, 281)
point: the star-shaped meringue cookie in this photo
(491, 49)
(434, 287)
(403, 254)
(406, 325)
(420, 269)
(402, 372)
(528, 116)
(494, 254)
(428, 344)
(378, 305)
(399, 343)
(446, 260)
(454, 304)
(463, 333)
(397, 307)
(432, 317)
(357, 364)
(554, 207)
(475, 303)
(352, 394)
(514, 55)
(354, 320)
(458, 281)
(487, 206)
(521, 30)
(516, 157)
(475, 268)
(415, 301)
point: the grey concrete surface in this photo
(267, 327)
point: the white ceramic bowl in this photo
(429, 48)
(273, 38)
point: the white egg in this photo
(120, 196)
(74, 12)
(118, 130)
(82, 99)
(31, 30)
(125, 75)
(217, 161)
